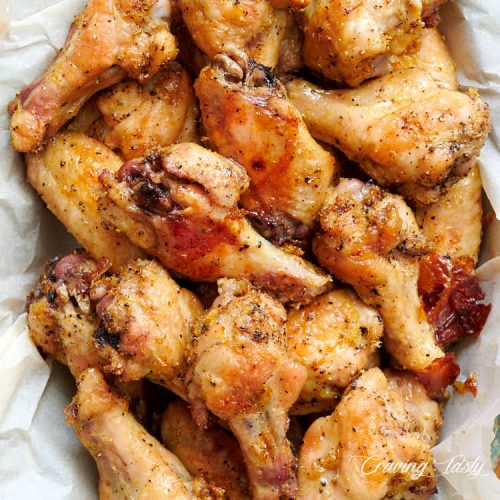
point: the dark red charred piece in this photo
(452, 298)
(439, 375)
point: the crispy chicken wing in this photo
(134, 324)
(140, 118)
(370, 448)
(223, 25)
(454, 222)
(131, 462)
(212, 453)
(248, 118)
(335, 337)
(370, 239)
(405, 130)
(240, 371)
(65, 174)
(290, 56)
(432, 56)
(180, 205)
(109, 40)
(350, 41)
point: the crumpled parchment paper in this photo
(39, 455)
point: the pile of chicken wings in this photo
(279, 210)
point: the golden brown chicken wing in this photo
(134, 325)
(335, 337)
(140, 118)
(290, 57)
(454, 222)
(109, 40)
(350, 41)
(131, 462)
(240, 371)
(180, 205)
(248, 118)
(370, 239)
(223, 25)
(370, 448)
(65, 175)
(405, 130)
(212, 453)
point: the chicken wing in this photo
(65, 175)
(350, 41)
(240, 371)
(134, 325)
(223, 25)
(143, 117)
(109, 40)
(212, 453)
(370, 448)
(335, 337)
(370, 239)
(131, 462)
(290, 57)
(180, 205)
(404, 129)
(452, 234)
(248, 118)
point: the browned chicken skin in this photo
(139, 118)
(373, 446)
(248, 118)
(240, 371)
(404, 129)
(212, 453)
(370, 239)
(224, 25)
(180, 205)
(134, 325)
(351, 41)
(109, 40)
(334, 337)
(65, 175)
(131, 463)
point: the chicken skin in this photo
(452, 235)
(212, 453)
(131, 462)
(248, 118)
(180, 205)
(370, 239)
(405, 130)
(370, 448)
(65, 175)
(290, 57)
(143, 117)
(219, 26)
(335, 337)
(240, 371)
(350, 41)
(109, 40)
(133, 325)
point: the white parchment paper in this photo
(40, 458)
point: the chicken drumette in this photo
(109, 40)
(371, 240)
(131, 462)
(134, 324)
(375, 445)
(135, 118)
(350, 41)
(335, 337)
(223, 25)
(65, 175)
(212, 453)
(405, 130)
(239, 370)
(180, 205)
(248, 118)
